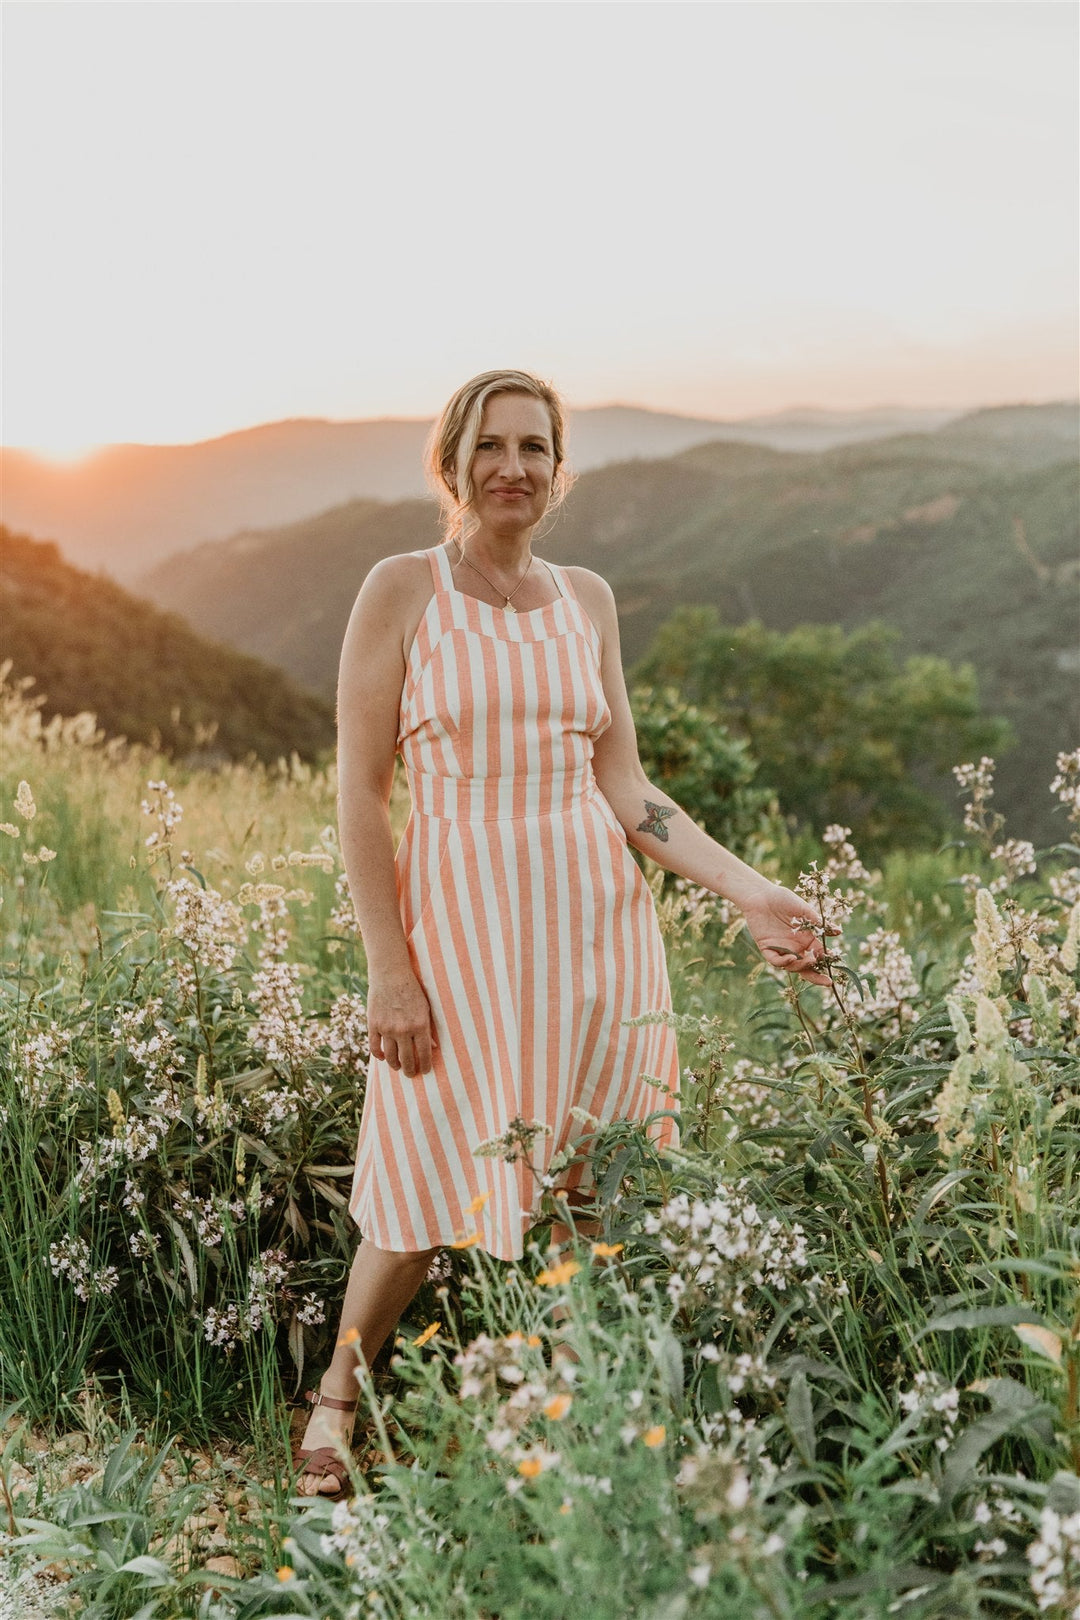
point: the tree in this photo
(687, 751)
(842, 731)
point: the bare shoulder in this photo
(404, 575)
(390, 604)
(592, 589)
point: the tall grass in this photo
(827, 1351)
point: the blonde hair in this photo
(452, 444)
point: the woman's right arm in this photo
(370, 681)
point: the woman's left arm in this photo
(661, 829)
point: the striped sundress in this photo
(529, 925)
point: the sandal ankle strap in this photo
(315, 1397)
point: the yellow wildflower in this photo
(604, 1250)
(557, 1407)
(466, 1242)
(428, 1333)
(534, 1340)
(655, 1436)
(477, 1204)
(350, 1336)
(530, 1467)
(556, 1275)
(285, 1573)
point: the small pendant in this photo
(508, 607)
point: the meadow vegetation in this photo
(827, 1349)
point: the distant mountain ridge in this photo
(128, 506)
(145, 674)
(964, 539)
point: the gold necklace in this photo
(508, 600)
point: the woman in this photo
(512, 935)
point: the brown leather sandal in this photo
(324, 1459)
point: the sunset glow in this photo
(256, 212)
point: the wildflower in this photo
(1054, 1557)
(209, 926)
(348, 1038)
(70, 1257)
(723, 1249)
(466, 1242)
(311, 1311)
(1070, 950)
(930, 1396)
(896, 988)
(557, 1407)
(350, 1336)
(285, 1573)
(514, 1141)
(978, 780)
(1066, 783)
(24, 802)
(428, 1333)
(555, 1276)
(343, 917)
(147, 1040)
(655, 1436)
(317, 857)
(477, 1203)
(11, 830)
(536, 1461)
(604, 1250)
(280, 1032)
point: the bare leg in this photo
(381, 1284)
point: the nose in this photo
(511, 468)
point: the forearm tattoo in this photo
(656, 816)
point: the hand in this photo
(400, 1029)
(768, 917)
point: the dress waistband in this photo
(500, 798)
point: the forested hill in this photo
(964, 539)
(145, 674)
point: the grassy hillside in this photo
(964, 539)
(90, 645)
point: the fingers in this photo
(803, 963)
(408, 1054)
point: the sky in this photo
(225, 212)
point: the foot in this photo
(327, 1426)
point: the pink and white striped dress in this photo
(529, 925)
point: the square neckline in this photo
(451, 589)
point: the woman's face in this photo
(514, 463)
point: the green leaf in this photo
(980, 1316)
(938, 1190)
(800, 1416)
(145, 1565)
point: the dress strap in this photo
(440, 568)
(562, 580)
